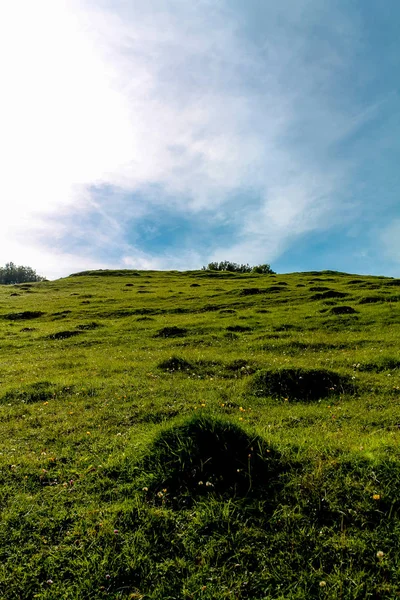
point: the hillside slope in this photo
(206, 435)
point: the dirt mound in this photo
(210, 456)
(300, 384)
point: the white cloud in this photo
(149, 97)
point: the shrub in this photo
(264, 270)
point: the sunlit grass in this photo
(80, 412)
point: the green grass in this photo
(200, 435)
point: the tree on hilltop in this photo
(12, 273)
(231, 267)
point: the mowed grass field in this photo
(200, 435)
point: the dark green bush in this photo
(232, 267)
(12, 274)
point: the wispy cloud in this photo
(116, 110)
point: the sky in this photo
(166, 134)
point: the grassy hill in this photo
(200, 435)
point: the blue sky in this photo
(166, 135)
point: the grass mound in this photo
(250, 291)
(207, 455)
(342, 310)
(383, 363)
(175, 363)
(240, 328)
(173, 331)
(88, 326)
(106, 273)
(25, 315)
(240, 366)
(40, 391)
(372, 299)
(63, 335)
(329, 294)
(300, 384)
